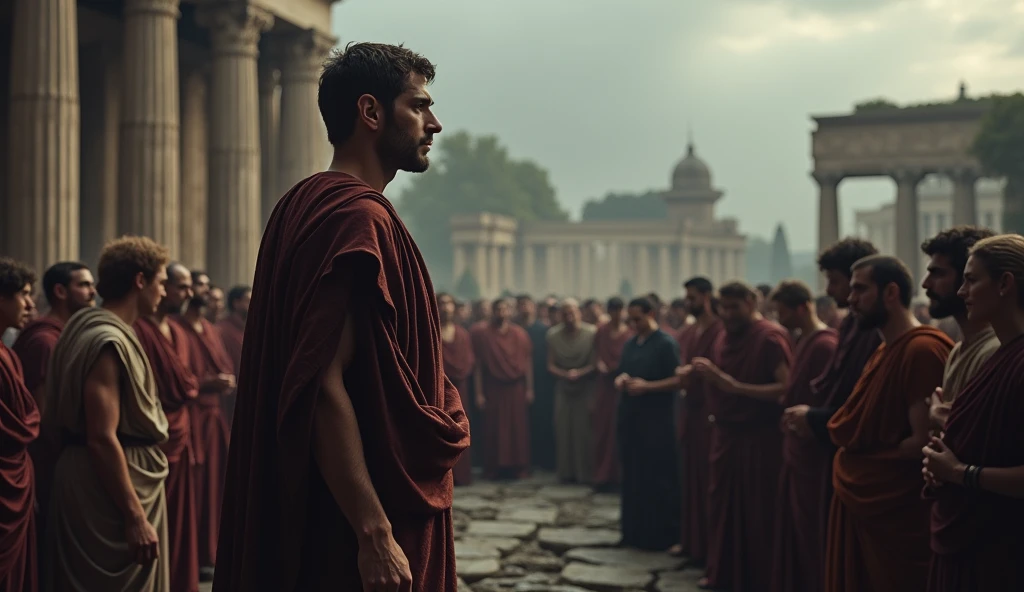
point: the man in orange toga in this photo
(879, 523)
(346, 429)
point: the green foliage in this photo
(626, 289)
(626, 206)
(999, 147)
(472, 175)
(882, 103)
(467, 287)
(875, 104)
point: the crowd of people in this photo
(124, 410)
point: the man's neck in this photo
(706, 319)
(809, 325)
(362, 164)
(61, 314)
(127, 310)
(899, 324)
(968, 328)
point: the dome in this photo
(691, 172)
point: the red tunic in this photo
(334, 245)
(457, 355)
(695, 439)
(976, 538)
(19, 426)
(232, 332)
(799, 519)
(177, 387)
(606, 403)
(504, 359)
(207, 359)
(746, 457)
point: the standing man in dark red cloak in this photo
(346, 430)
(19, 426)
(213, 368)
(748, 370)
(457, 355)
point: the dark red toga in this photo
(33, 347)
(745, 460)
(178, 388)
(232, 331)
(207, 359)
(976, 536)
(800, 520)
(335, 245)
(19, 426)
(606, 404)
(504, 358)
(458, 367)
(695, 439)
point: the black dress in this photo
(542, 411)
(647, 442)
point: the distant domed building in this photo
(595, 258)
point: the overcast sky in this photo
(601, 92)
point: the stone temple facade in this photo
(595, 258)
(182, 120)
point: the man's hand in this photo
(712, 373)
(938, 412)
(636, 386)
(794, 420)
(383, 566)
(142, 540)
(572, 374)
(529, 396)
(620, 381)
(602, 367)
(481, 401)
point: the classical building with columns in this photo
(182, 120)
(595, 258)
(905, 145)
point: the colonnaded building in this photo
(183, 120)
(594, 258)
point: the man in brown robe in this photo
(572, 360)
(878, 524)
(167, 348)
(232, 332)
(215, 372)
(69, 287)
(748, 371)
(948, 252)
(340, 470)
(799, 524)
(609, 340)
(504, 391)
(457, 355)
(108, 512)
(19, 426)
(696, 341)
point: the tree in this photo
(999, 146)
(467, 288)
(472, 175)
(782, 263)
(626, 206)
(626, 289)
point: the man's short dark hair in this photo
(237, 293)
(375, 69)
(824, 300)
(643, 303)
(792, 294)
(14, 276)
(677, 303)
(737, 290)
(887, 270)
(197, 274)
(654, 299)
(701, 284)
(764, 289)
(588, 303)
(955, 244)
(615, 304)
(842, 255)
(59, 274)
(523, 298)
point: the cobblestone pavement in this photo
(537, 536)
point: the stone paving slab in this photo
(606, 577)
(563, 539)
(504, 545)
(565, 492)
(678, 581)
(472, 503)
(543, 516)
(472, 570)
(644, 560)
(464, 550)
(494, 528)
(484, 489)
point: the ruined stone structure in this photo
(904, 145)
(182, 120)
(593, 258)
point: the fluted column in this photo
(149, 174)
(234, 228)
(270, 128)
(908, 240)
(643, 269)
(509, 268)
(458, 263)
(480, 268)
(614, 270)
(586, 287)
(101, 130)
(195, 169)
(665, 273)
(43, 134)
(551, 268)
(303, 135)
(965, 197)
(828, 209)
(529, 270)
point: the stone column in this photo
(195, 169)
(101, 123)
(828, 209)
(509, 268)
(148, 176)
(480, 268)
(458, 263)
(270, 122)
(908, 241)
(494, 270)
(303, 135)
(529, 269)
(43, 134)
(643, 269)
(665, 273)
(614, 271)
(552, 268)
(234, 228)
(965, 197)
(586, 287)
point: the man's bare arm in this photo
(763, 392)
(553, 368)
(338, 447)
(920, 424)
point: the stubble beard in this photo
(946, 306)
(402, 150)
(873, 319)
